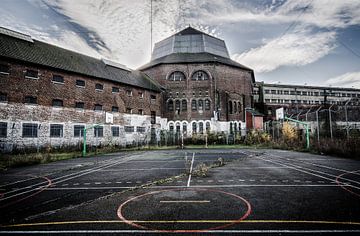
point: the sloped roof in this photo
(177, 58)
(48, 55)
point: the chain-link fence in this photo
(334, 122)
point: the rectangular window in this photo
(79, 105)
(286, 92)
(153, 97)
(79, 130)
(273, 91)
(3, 129)
(58, 79)
(80, 83)
(304, 93)
(30, 100)
(99, 87)
(98, 131)
(29, 130)
(56, 131)
(140, 129)
(141, 95)
(3, 97)
(140, 112)
(4, 69)
(98, 107)
(57, 103)
(115, 89)
(267, 100)
(128, 93)
(316, 93)
(267, 91)
(153, 117)
(292, 92)
(115, 109)
(129, 129)
(115, 130)
(298, 92)
(128, 110)
(32, 74)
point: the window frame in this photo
(98, 105)
(80, 129)
(58, 76)
(3, 129)
(98, 134)
(57, 100)
(115, 131)
(30, 100)
(54, 128)
(34, 130)
(4, 72)
(99, 87)
(80, 86)
(175, 74)
(29, 75)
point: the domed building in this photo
(204, 90)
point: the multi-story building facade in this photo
(296, 98)
(49, 94)
(204, 89)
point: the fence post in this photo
(346, 118)
(330, 121)
(318, 126)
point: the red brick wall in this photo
(232, 83)
(17, 87)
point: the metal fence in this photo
(325, 121)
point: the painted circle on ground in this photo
(156, 194)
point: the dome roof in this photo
(190, 40)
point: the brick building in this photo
(204, 88)
(49, 94)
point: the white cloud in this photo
(350, 79)
(295, 49)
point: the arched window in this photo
(178, 128)
(231, 128)
(235, 127)
(184, 128)
(194, 128)
(207, 126)
(170, 105)
(200, 75)
(201, 104)
(201, 127)
(239, 107)
(235, 107)
(230, 107)
(171, 128)
(176, 76)
(193, 105)
(177, 105)
(184, 105)
(207, 104)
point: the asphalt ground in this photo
(256, 192)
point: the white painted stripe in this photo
(200, 186)
(191, 167)
(152, 232)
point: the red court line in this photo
(341, 185)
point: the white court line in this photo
(186, 201)
(198, 186)
(298, 232)
(191, 167)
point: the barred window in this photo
(29, 130)
(79, 130)
(58, 79)
(3, 97)
(30, 100)
(207, 104)
(201, 104)
(170, 105)
(177, 105)
(200, 75)
(98, 131)
(129, 129)
(115, 89)
(56, 130)
(34, 74)
(80, 83)
(140, 129)
(153, 117)
(97, 107)
(115, 109)
(184, 127)
(193, 105)
(57, 103)
(3, 129)
(99, 86)
(184, 105)
(79, 105)
(176, 76)
(194, 128)
(115, 130)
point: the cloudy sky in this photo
(313, 42)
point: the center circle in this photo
(218, 206)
